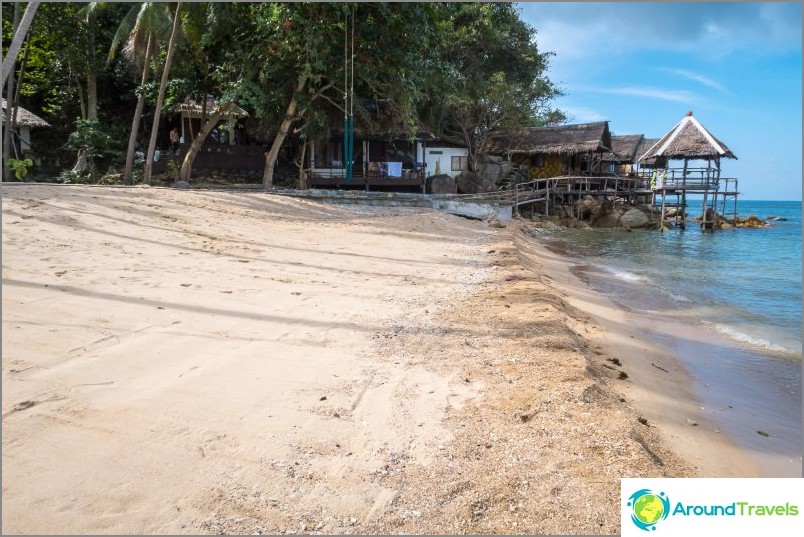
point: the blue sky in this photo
(642, 65)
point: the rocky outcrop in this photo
(603, 213)
(470, 182)
(441, 184)
(493, 169)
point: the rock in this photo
(634, 218)
(494, 222)
(441, 184)
(493, 168)
(692, 423)
(181, 184)
(607, 220)
(470, 182)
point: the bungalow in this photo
(385, 153)
(223, 150)
(21, 143)
(553, 151)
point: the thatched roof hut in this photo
(560, 140)
(687, 140)
(26, 118)
(623, 148)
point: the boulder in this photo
(634, 218)
(606, 220)
(470, 182)
(441, 184)
(181, 184)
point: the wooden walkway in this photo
(566, 190)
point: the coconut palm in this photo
(149, 157)
(19, 36)
(139, 32)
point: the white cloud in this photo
(715, 29)
(679, 96)
(580, 114)
(703, 79)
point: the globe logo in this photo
(648, 508)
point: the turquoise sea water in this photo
(741, 288)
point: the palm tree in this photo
(19, 36)
(144, 25)
(149, 157)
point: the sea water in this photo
(740, 288)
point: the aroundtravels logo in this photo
(711, 506)
(648, 508)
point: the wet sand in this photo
(207, 362)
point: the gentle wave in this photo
(751, 340)
(625, 275)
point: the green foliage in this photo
(462, 69)
(74, 177)
(89, 137)
(20, 167)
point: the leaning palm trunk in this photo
(135, 124)
(198, 141)
(7, 139)
(20, 32)
(149, 158)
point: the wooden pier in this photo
(718, 195)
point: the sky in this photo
(643, 65)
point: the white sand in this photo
(202, 362)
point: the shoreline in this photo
(666, 395)
(712, 389)
(309, 368)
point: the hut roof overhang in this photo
(623, 148)
(558, 140)
(688, 140)
(26, 118)
(643, 146)
(193, 109)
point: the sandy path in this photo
(193, 362)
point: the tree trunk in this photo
(92, 70)
(149, 158)
(16, 42)
(135, 124)
(302, 174)
(284, 127)
(7, 138)
(195, 147)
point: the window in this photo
(460, 163)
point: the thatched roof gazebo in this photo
(688, 140)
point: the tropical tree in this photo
(139, 32)
(489, 74)
(149, 157)
(20, 31)
(292, 58)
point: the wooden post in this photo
(661, 221)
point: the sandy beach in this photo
(180, 361)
